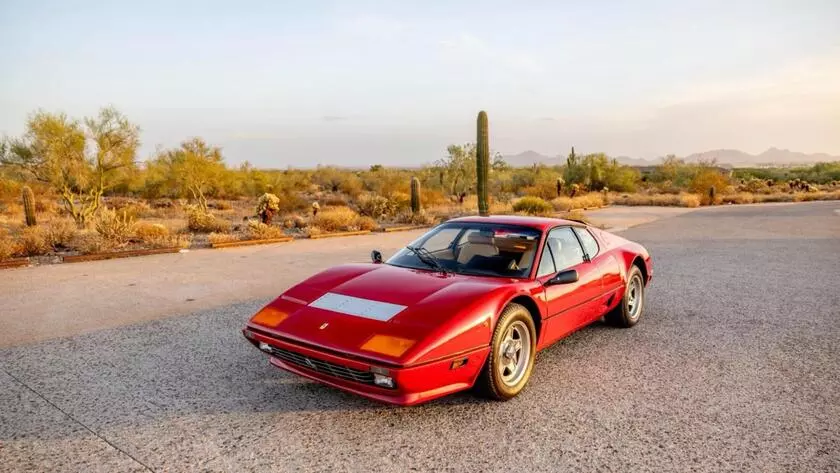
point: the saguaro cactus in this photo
(29, 206)
(482, 162)
(415, 195)
(712, 195)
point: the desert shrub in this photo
(260, 231)
(313, 230)
(150, 231)
(295, 221)
(659, 200)
(499, 208)
(332, 219)
(366, 223)
(376, 206)
(60, 233)
(8, 246)
(87, 242)
(585, 201)
(114, 227)
(532, 205)
(204, 222)
(216, 238)
(335, 201)
(33, 241)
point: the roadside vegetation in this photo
(74, 186)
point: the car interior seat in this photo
(477, 245)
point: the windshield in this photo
(480, 249)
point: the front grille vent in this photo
(321, 366)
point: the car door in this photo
(568, 306)
(607, 267)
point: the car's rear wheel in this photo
(511, 357)
(629, 311)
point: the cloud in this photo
(334, 118)
(469, 48)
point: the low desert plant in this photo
(216, 238)
(8, 246)
(376, 206)
(585, 201)
(87, 242)
(659, 200)
(260, 231)
(334, 219)
(114, 227)
(367, 223)
(576, 216)
(60, 233)
(532, 206)
(33, 241)
(205, 222)
(150, 231)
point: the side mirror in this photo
(563, 277)
(376, 257)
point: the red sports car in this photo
(466, 305)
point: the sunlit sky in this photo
(360, 82)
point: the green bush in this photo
(532, 206)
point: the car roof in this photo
(540, 223)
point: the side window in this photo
(565, 248)
(590, 245)
(546, 263)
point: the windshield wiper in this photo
(428, 259)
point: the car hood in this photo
(376, 310)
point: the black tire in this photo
(630, 310)
(492, 382)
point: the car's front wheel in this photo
(511, 357)
(629, 311)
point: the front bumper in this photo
(413, 384)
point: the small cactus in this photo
(315, 208)
(267, 206)
(482, 162)
(575, 189)
(415, 196)
(29, 206)
(712, 195)
(560, 183)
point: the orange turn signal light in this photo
(387, 345)
(269, 317)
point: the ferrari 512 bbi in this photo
(467, 305)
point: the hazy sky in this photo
(298, 83)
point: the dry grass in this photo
(60, 233)
(88, 242)
(659, 200)
(366, 223)
(146, 231)
(335, 219)
(115, 227)
(216, 238)
(260, 231)
(8, 246)
(202, 222)
(532, 206)
(586, 201)
(33, 242)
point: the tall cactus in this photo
(712, 195)
(29, 206)
(482, 162)
(415, 196)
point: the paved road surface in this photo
(735, 367)
(71, 299)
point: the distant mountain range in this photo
(731, 157)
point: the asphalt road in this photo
(734, 367)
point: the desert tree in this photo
(196, 168)
(79, 160)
